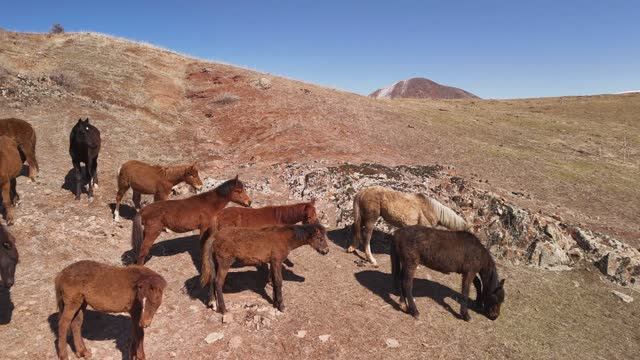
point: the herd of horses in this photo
(261, 237)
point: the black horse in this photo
(84, 146)
(8, 257)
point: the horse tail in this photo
(208, 269)
(448, 217)
(396, 267)
(357, 221)
(136, 234)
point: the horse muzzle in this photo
(8, 283)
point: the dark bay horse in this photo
(153, 179)
(446, 251)
(8, 257)
(133, 289)
(194, 213)
(10, 168)
(254, 247)
(84, 147)
(25, 136)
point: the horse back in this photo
(19, 130)
(252, 246)
(141, 176)
(395, 207)
(247, 217)
(10, 161)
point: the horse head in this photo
(238, 194)
(192, 177)
(149, 292)
(310, 213)
(318, 239)
(8, 257)
(493, 296)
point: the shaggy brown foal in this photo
(446, 251)
(25, 136)
(133, 289)
(10, 168)
(252, 247)
(143, 178)
(193, 213)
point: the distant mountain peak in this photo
(421, 88)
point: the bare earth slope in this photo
(574, 157)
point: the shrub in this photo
(57, 29)
(226, 98)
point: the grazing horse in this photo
(10, 168)
(133, 289)
(254, 247)
(152, 179)
(84, 146)
(446, 251)
(8, 257)
(194, 213)
(398, 209)
(25, 136)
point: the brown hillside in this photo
(575, 158)
(421, 88)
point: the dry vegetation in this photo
(575, 157)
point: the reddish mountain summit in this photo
(421, 88)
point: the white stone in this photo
(624, 297)
(213, 337)
(324, 338)
(392, 343)
(301, 333)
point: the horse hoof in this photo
(403, 307)
(351, 249)
(466, 317)
(86, 353)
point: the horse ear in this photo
(502, 282)
(236, 179)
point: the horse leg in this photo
(30, 155)
(139, 349)
(467, 278)
(89, 168)
(264, 269)
(137, 198)
(121, 191)
(407, 289)
(15, 197)
(6, 200)
(78, 175)
(64, 320)
(357, 228)
(276, 278)
(222, 267)
(94, 172)
(478, 285)
(76, 330)
(150, 232)
(368, 233)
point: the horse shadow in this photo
(238, 281)
(6, 306)
(380, 240)
(126, 211)
(381, 283)
(100, 326)
(70, 181)
(189, 243)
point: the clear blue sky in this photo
(495, 49)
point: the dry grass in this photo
(225, 99)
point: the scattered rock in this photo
(301, 333)
(624, 297)
(213, 337)
(392, 343)
(324, 338)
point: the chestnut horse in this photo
(158, 180)
(268, 215)
(193, 213)
(24, 135)
(84, 146)
(10, 168)
(254, 247)
(446, 251)
(8, 257)
(398, 209)
(133, 289)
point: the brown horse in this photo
(254, 247)
(398, 209)
(133, 289)
(193, 213)
(8, 257)
(268, 215)
(25, 136)
(446, 251)
(152, 179)
(10, 168)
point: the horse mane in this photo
(171, 171)
(445, 215)
(305, 231)
(227, 187)
(290, 213)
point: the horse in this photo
(25, 136)
(398, 209)
(10, 168)
(152, 179)
(8, 257)
(446, 251)
(133, 289)
(194, 213)
(84, 146)
(254, 247)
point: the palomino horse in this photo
(10, 168)
(152, 179)
(84, 147)
(398, 209)
(24, 135)
(254, 247)
(193, 213)
(8, 257)
(446, 251)
(134, 289)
